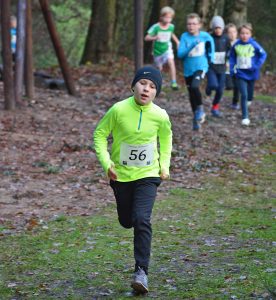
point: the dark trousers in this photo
(236, 91)
(246, 88)
(215, 82)
(231, 84)
(193, 84)
(135, 201)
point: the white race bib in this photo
(244, 62)
(219, 58)
(164, 37)
(136, 155)
(198, 50)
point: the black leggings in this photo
(193, 83)
(135, 201)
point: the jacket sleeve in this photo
(101, 133)
(165, 142)
(232, 60)
(261, 55)
(183, 50)
(211, 54)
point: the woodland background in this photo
(101, 31)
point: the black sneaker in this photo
(140, 281)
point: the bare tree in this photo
(206, 10)
(20, 50)
(9, 102)
(29, 78)
(235, 11)
(139, 33)
(45, 7)
(100, 37)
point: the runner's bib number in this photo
(136, 155)
(198, 50)
(244, 62)
(164, 37)
(219, 58)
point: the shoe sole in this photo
(139, 287)
(202, 120)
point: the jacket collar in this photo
(140, 107)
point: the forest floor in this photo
(47, 166)
(49, 173)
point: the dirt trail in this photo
(47, 167)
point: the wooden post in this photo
(139, 33)
(20, 50)
(9, 102)
(44, 4)
(29, 78)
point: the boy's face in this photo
(144, 91)
(245, 34)
(232, 33)
(193, 26)
(218, 31)
(167, 18)
(13, 23)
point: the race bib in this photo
(164, 37)
(198, 50)
(244, 62)
(136, 155)
(219, 58)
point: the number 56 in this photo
(134, 154)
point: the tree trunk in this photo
(9, 102)
(139, 33)
(100, 37)
(58, 47)
(29, 78)
(20, 50)
(206, 9)
(235, 11)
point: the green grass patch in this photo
(214, 243)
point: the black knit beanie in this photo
(149, 73)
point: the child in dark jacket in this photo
(246, 59)
(216, 72)
(231, 81)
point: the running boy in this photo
(246, 59)
(161, 34)
(231, 81)
(217, 69)
(135, 168)
(196, 49)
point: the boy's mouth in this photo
(144, 96)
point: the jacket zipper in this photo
(140, 120)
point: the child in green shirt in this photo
(161, 34)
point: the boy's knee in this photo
(126, 223)
(139, 220)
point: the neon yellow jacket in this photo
(135, 130)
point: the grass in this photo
(214, 243)
(258, 97)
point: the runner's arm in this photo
(165, 141)
(183, 50)
(175, 39)
(101, 133)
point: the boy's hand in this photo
(164, 175)
(111, 173)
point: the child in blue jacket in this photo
(246, 59)
(193, 51)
